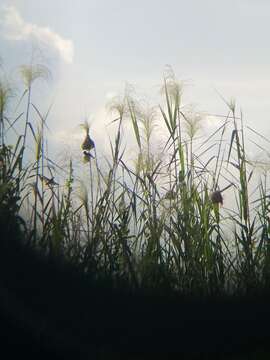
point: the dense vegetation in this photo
(158, 223)
(157, 226)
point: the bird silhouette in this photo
(88, 144)
(46, 181)
(87, 156)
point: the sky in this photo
(94, 47)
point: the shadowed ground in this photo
(50, 309)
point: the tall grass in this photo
(157, 223)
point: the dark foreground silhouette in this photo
(51, 310)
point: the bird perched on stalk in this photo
(87, 156)
(46, 181)
(216, 196)
(87, 144)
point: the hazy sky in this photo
(94, 46)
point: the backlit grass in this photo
(158, 222)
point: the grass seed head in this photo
(117, 105)
(85, 126)
(193, 123)
(6, 93)
(30, 73)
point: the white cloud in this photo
(14, 28)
